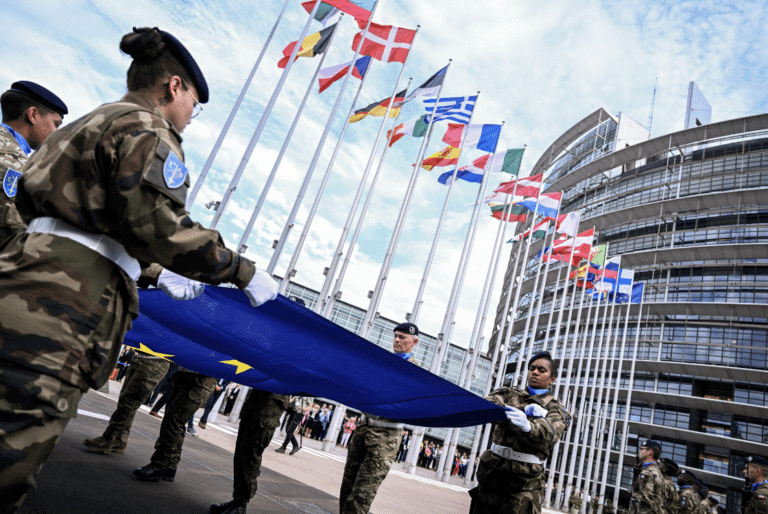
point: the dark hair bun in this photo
(143, 44)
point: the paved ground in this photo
(76, 481)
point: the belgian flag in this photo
(313, 45)
(380, 108)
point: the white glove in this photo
(536, 411)
(518, 417)
(178, 287)
(261, 289)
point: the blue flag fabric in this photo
(463, 174)
(283, 347)
(457, 108)
(637, 292)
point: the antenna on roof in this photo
(653, 101)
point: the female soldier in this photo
(103, 198)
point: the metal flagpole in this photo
(241, 248)
(225, 128)
(322, 298)
(262, 123)
(378, 290)
(302, 191)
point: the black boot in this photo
(151, 472)
(169, 474)
(231, 507)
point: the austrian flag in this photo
(384, 42)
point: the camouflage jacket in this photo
(116, 171)
(575, 501)
(12, 159)
(703, 506)
(688, 501)
(267, 406)
(545, 433)
(670, 499)
(758, 503)
(647, 491)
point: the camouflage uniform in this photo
(670, 499)
(140, 380)
(703, 506)
(608, 508)
(370, 455)
(688, 500)
(574, 503)
(647, 491)
(513, 486)
(12, 159)
(594, 505)
(258, 420)
(758, 502)
(65, 308)
(190, 392)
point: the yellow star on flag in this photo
(144, 349)
(241, 366)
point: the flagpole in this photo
(373, 305)
(336, 291)
(241, 248)
(290, 271)
(322, 297)
(262, 123)
(201, 178)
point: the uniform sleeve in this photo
(149, 191)
(551, 427)
(500, 396)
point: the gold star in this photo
(241, 366)
(144, 349)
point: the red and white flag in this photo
(384, 42)
(528, 186)
(568, 223)
(328, 76)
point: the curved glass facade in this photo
(686, 367)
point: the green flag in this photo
(512, 160)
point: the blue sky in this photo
(538, 68)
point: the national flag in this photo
(328, 76)
(624, 292)
(415, 128)
(586, 274)
(445, 157)
(528, 186)
(454, 108)
(359, 9)
(312, 45)
(579, 246)
(379, 108)
(323, 14)
(505, 212)
(384, 42)
(637, 292)
(610, 275)
(482, 137)
(463, 173)
(428, 88)
(508, 161)
(548, 204)
(568, 223)
(495, 197)
(597, 256)
(538, 231)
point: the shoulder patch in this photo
(174, 171)
(11, 182)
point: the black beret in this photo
(713, 501)
(407, 328)
(672, 467)
(189, 64)
(685, 472)
(540, 355)
(297, 300)
(756, 459)
(40, 94)
(651, 444)
(703, 491)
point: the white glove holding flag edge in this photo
(518, 417)
(536, 411)
(261, 289)
(178, 287)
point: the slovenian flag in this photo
(328, 76)
(549, 204)
(482, 137)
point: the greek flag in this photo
(456, 108)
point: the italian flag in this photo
(415, 128)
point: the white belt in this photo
(100, 243)
(510, 454)
(380, 423)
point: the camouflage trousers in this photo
(252, 440)
(140, 380)
(370, 456)
(34, 410)
(190, 392)
(505, 488)
(493, 503)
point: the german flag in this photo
(313, 45)
(379, 108)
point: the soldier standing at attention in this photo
(756, 475)
(374, 444)
(669, 469)
(648, 488)
(688, 498)
(100, 195)
(30, 114)
(575, 502)
(703, 502)
(510, 475)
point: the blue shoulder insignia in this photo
(174, 171)
(11, 182)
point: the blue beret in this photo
(407, 328)
(685, 472)
(297, 300)
(713, 501)
(651, 444)
(540, 355)
(756, 459)
(40, 94)
(186, 59)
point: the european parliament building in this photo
(688, 212)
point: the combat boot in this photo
(152, 472)
(295, 449)
(280, 450)
(103, 445)
(230, 507)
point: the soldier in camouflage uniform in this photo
(374, 444)
(648, 487)
(510, 475)
(141, 378)
(100, 195)
(756, 475)
(688, 497)
(575, 502)
(30, 114)
(703, 501)
(671, 501)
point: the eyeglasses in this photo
(196, 107)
